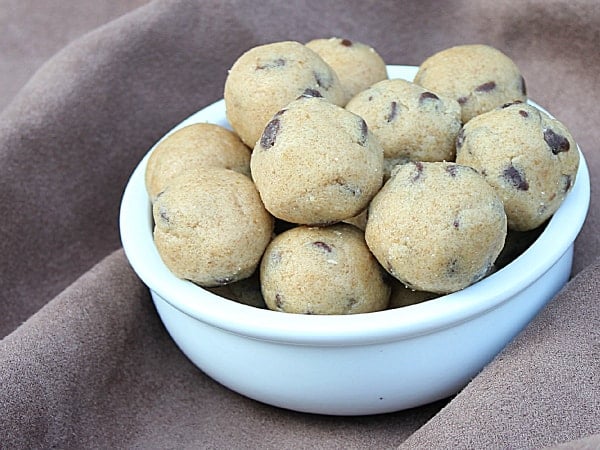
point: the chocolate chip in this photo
(456, 223)
(523, 86)
(452, 169)
(267, 140)
(393, 112)
(351, 302)
(279, 62)
(462, 100)
(162, 212)
(460, 138)
(515, 102)
(346, 42)
(364, 132)
(427, 96)
(515, 177)
(452, 266)
(309, 92)
(322, 246)
(556, 142)
(567, 182)
(486, 87)
(278, 301)
(419, 171)
(523, 113)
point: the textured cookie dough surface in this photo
(197, 145)
(357, 65)
(211, 227)
(436, 226)
(322, 270)
(410, 122)
(529, 158)
(266, 78)
(479, 77)
(316, 163)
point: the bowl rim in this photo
(135, 224)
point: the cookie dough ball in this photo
(410, 122)
(322, 270)
(436, 226)
(316, 163)
(357, 65)
(479, 77)
(266, 78)
(196, 145)
(529, 158)
(211, 227)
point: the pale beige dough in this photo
(530, 159)
(436, 226)
(357, 65)
(211, 226)
(267, 77)
(322, 270)
(196, 145)
(316, 163)
(479, 77)
(410, 122)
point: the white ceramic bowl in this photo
(357, 364)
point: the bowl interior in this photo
(136, 228)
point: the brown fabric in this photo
(85, 362)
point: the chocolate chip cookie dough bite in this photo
(316, 163)
(322, 270)
(211, 227)
(195, 146)
(529, 158)
(266, 78)
(410, 122)
(479, 77)
(436, 226)
(357, 65)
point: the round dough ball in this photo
(410, 122)
(436, 226)
(357, 65)
(322, 270)
(266, 78)
(196, 145)
(316, 163)
(530, 159)
(211, 227)
(479, 77)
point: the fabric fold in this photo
(94, 368)
(84, 359)
(548, 378)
